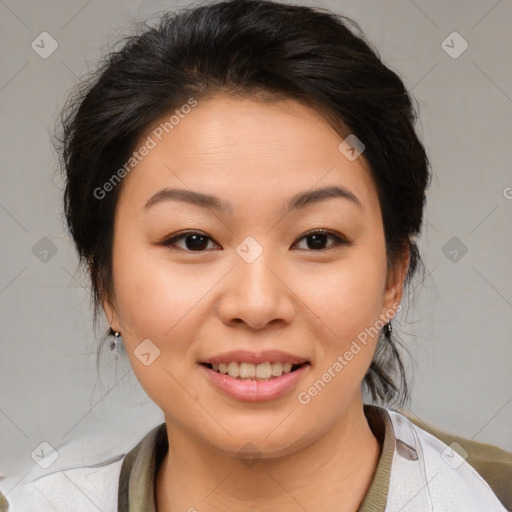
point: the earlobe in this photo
(396, 281)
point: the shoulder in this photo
(89, 488)
(480, 471)
(493, 464)
(86, 486)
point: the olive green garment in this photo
(138, 472)
(4, 506)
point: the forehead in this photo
(242, 146)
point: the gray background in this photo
(458, 330)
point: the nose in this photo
(256, 294)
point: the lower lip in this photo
(253, 390)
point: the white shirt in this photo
(426, 476)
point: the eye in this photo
(195, 241)
(318, 237)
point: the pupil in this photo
(318, 241)
(199, 242)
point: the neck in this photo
(331, 473)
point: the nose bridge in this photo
(252, 267)
(256, 293)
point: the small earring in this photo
(114, 344)
(390, 329)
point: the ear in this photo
(111, 314)
(106, 304)
(397, 272)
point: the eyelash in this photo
(170, 242)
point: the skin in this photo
(296, 298)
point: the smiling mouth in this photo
(256, 372)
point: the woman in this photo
(205, 163)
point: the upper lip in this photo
(264, 356)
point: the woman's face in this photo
(245, 281)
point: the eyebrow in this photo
(210, 202)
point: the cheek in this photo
(347, 297)
(162, 300)
(158, 303)
(149, 300)
(350, 301)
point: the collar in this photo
(137, 478)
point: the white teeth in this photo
(277, 369)
(233, 369)
(264, 370)
(247, 370)
(261, 371)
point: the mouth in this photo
(259, 372)
(255, 377)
